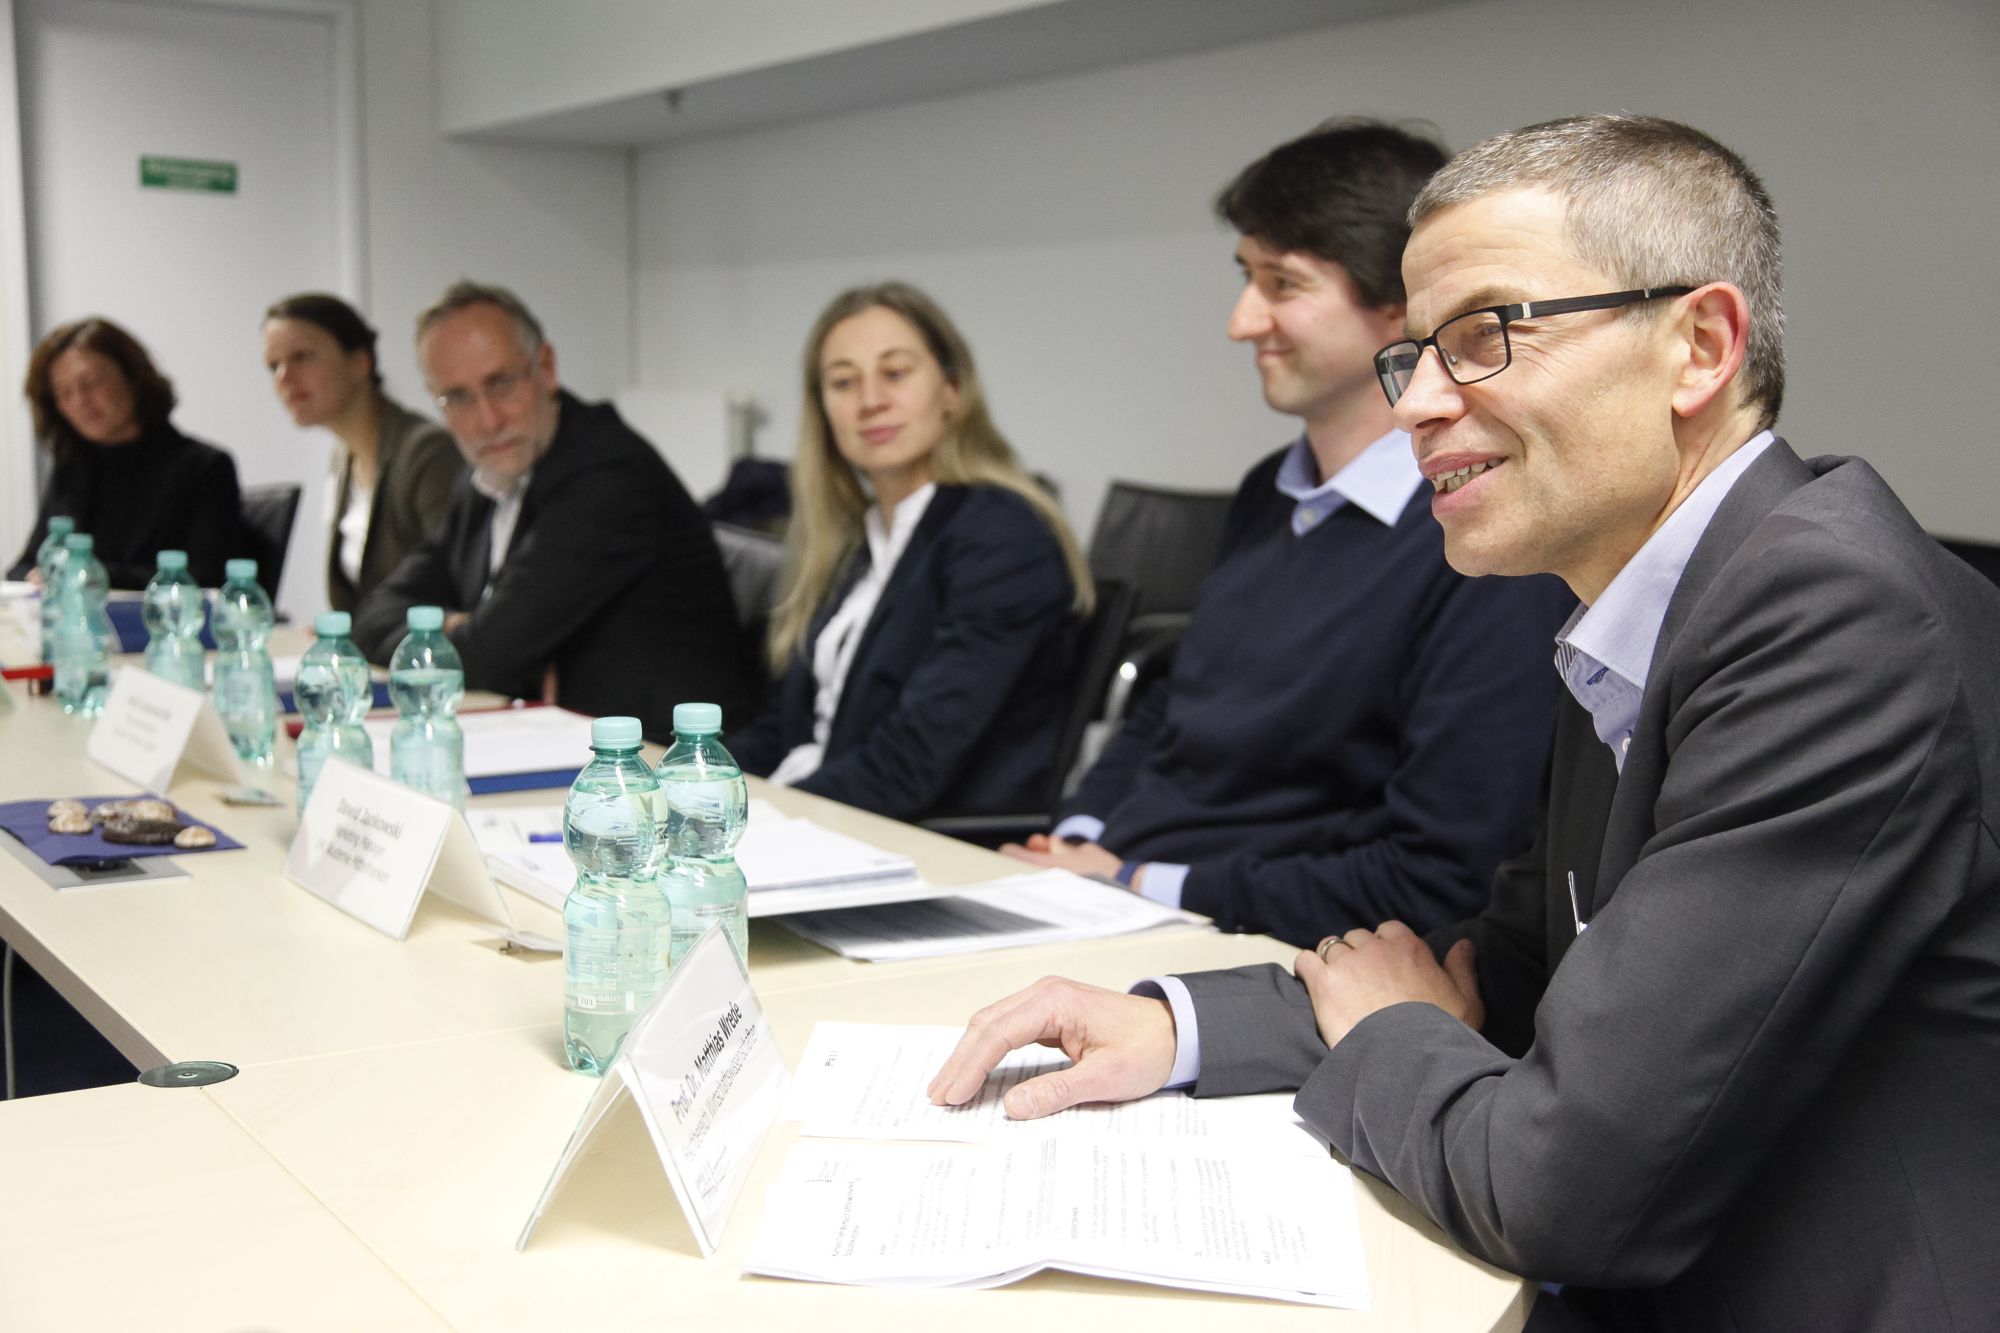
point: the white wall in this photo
(551, 223)
(1066, 224)
(503, 60)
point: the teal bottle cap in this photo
(240, 571)
(332, 624)
(61, 525)
(171, 561)
(698, 719)
(614, 733)
(80, 541)
(426, 618)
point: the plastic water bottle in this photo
(173, 615)
(333, 695)
(83, 632)
(706, 802)
(246, 695)
(426, 681)
(48, 559)
(616, 922)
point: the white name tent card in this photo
(152, 728)
(709, 1082)
(371, 847)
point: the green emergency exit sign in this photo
(186, 173)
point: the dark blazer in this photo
(164, 490)
(1762, 1090)
(612, 577)
(956, 693)
(414, 472)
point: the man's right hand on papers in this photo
(1121, 1047)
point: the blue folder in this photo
(127, 618)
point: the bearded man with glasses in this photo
(573, 566)
(1724, 1051)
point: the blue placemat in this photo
(497, 782)
(128, 618)
(287, 704)
(29, 821)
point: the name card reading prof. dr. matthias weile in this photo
(151, 726)
(708, 1080)
(371, 846)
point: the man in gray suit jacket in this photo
(1724, 1051)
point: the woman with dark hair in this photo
(933, 593)
(121, 469)
(392, 471)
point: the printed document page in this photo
(867, 1081)
(1209, 1217)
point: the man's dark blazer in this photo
(612, 577)
(1762, 1089)
(958, 685)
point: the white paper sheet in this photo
(867, 1081)
(798, 854)
(507, 740)
(1213, 1218)
(1040, 907)
(543, 871)
(791, 864)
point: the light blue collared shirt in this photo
(1380, 481)
(1605, 650)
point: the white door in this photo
(105, 83)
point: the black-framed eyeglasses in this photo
(1474, 346)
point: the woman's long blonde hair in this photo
(828, 501)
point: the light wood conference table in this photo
(401, 1104)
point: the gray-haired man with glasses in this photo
(573, 566)
(1724, 1050)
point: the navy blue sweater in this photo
(1352, 732)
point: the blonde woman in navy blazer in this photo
(933, 591)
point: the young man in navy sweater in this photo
(1352, 732)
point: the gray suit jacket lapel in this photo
(1761, 488)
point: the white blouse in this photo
(353, 529)
(833, 651)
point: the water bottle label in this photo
(239, 694)
(613, 970)
(429, 769)
(311, 761)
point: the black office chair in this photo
(1097, 662)
(756, 496)
(1162, 542)
(755, 564)
(268, 515)
(1982, 556)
